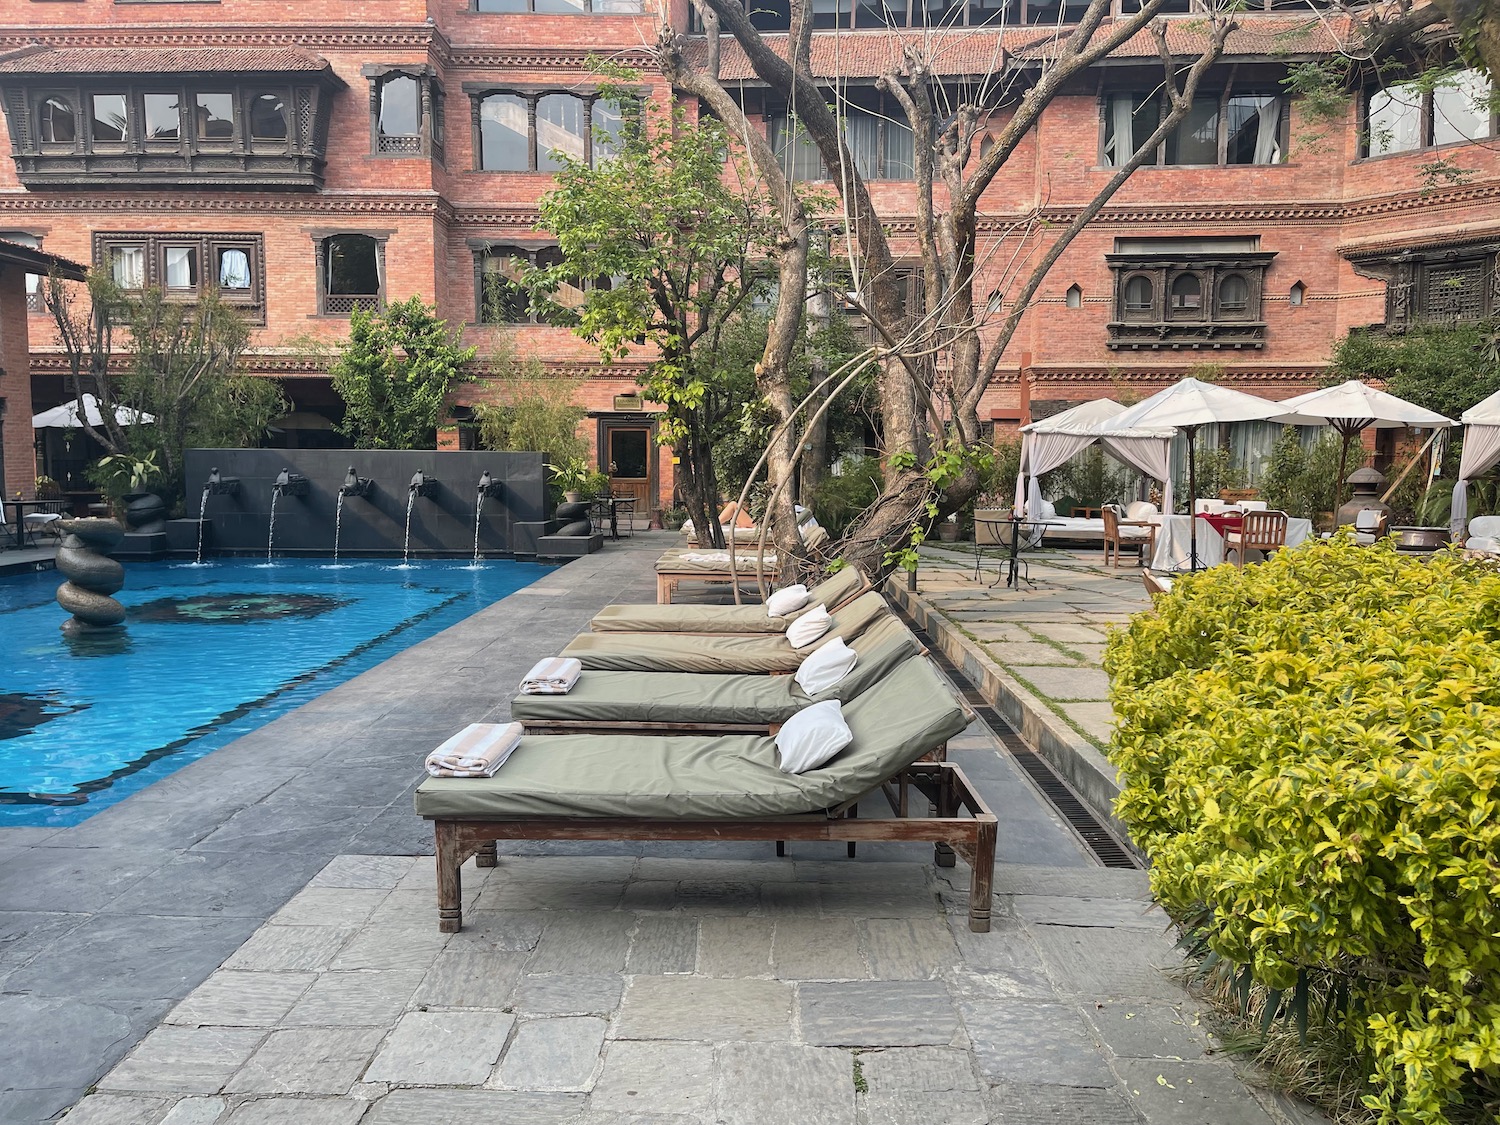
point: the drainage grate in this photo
(1094, 834)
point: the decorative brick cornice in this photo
(426, 204)
(1157, 377)
(180, 35)
(287, 365)
(1420, 240)
(544, 58)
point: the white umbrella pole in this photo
(1192, 436)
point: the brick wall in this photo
(15, 386)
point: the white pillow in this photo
(1048, 512)
(812, 736)
(826, 667)
(1139, 510)
(809, 627)
(789, 599)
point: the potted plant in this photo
(572, 476)
(125, 482)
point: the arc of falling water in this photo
(202, 506)
(338, 519)
(271, 535)
(411, 498)
(478, 511)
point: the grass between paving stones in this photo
(860, 1085)
(1055, 706)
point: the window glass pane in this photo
(559, 128)
(351, 266)
(501, 6)
(1253, 123)
(503, 299)
(215, 117)
(1394, 122)
(862, 136)
(163, 117)
(617, 7)
(400, 107)
(559, 7)
(1138, 296)
(109, 117)
(181, 267)
(1196, 138)
(502, 133)
(627, 454)
(607, 125)
(1234, 295)
(769, 15)
(1129, 121)
(881, 13)
(900, 159)
(58, 124)
(830, 14)
(799, 157)
(993, 11)
(127, 265)
(1187, 293)
(268, 118)
(559, 307)
(234, 269)
(1461, 108)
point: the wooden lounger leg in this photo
(853, 814)
(942, 854)
(780, 849)
(449, 881)
(663, 590)
(982, 877)
(485, 856)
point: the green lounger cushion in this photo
(696, 777)
(693, 652)
(678, 560)
(698, 699)
(723, 618)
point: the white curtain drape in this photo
(1041, 453)
(1121, 145)
(234, 270)
(1152, 456)
(1268, 139)
(1481, 450)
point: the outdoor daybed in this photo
(724, 787)
(729, 652)
(698, 701)
(840, 589)
(682, 564)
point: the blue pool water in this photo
(208, 654)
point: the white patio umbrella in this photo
(67, 416)
(1354, 406)
(1187, 405)
(1481, 450)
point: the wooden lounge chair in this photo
(695, 701)
(705, 565)
(837, 591)
(725, 787)
(765, 654)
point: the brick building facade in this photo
(310, 158)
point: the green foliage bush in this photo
(1298, 481)
(846, 494)
(1311, 756)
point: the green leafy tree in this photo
(175, 360)
(1444, 367)
(679, 238)
(533, 409)
(394, 374)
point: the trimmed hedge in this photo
(1311, 757)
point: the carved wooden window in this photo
(1224, 128)
(875, 131)
(503, 299)
(184, 266)
(109, 123)
(562, 7)
(406, 111)
(1188, 293)
(531, 131)
(268, 118)
(57, 121)
(1453, 291)
(350, 274)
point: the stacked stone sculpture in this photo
(574, 515)
(91, 577)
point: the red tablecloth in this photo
(1223, 522)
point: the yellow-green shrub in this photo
(1310, 750)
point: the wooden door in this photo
(628, 450)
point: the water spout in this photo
(411, 498)
(271, 531)
(338, 519)
(202, 509)
(355, 485)
(221, 486)
(488, 485)
(422, 485)
(289, 483)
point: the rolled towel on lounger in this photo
(555, 675)
(476, 751)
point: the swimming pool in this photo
(208, 653)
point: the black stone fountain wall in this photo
(442, 523)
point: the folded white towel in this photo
(555, 675)
(476, 751)
(745, 558)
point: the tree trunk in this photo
(699, 488)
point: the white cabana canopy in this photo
(1186, 405)
(1053, 441)
(66, 416)
(1481, 450)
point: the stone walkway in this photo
(262, 935)
(1049, 635)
